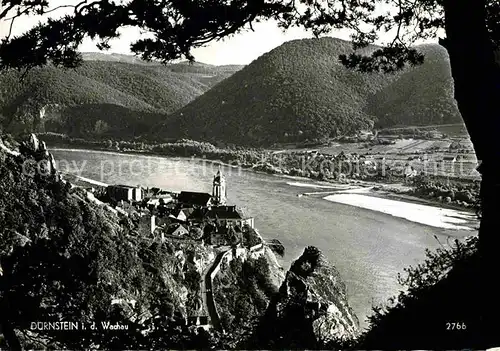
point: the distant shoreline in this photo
(435, 190)
(414, 212)
(383, 191)
(362, 196)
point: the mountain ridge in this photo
(301, 91)
(141, 89)
(296, 92)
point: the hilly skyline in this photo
(298, 91)
(115, 96)
(183, 66)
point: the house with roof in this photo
(177, 229)
(450, 158)
(159, 198)
(198, 215)
(198, 321)
(181, 214)
(370, 164)
(124, 193)
(197, 199)
(192, 199)
(228, 215)
(342, 156)
(409, 171)
(239, 251)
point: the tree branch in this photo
(400, 23)
(4, 13)
(10, 28)
(57, 8)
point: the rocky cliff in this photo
(310, 309)
(102, 269)
(99, 267)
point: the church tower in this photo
(219, 189)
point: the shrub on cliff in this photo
(250, 237)
(308, 263)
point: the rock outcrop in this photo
(276, 272)
(31, 146)
(311, 308)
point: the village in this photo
(185, 215)
(444, 152)
(197, 218)
(218, 232)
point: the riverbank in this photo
(295, 164)
(391, 191)
(390, 199)
(398, 205)
(424, 214)
(369, 247)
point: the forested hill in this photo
(180, 67)
(301, 91)
(422, 95)
(109, 95)
(295, 92)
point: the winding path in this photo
(207, 293)
(206, 282)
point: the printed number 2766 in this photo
(456, 326)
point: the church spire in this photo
(219, 188)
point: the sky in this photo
(240, 49)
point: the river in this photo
(369, 248)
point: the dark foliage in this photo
(462, 193)
(242, 293)
(250, 237)
(64, 258)
(472, 36)
(308, 263)
(421, 96)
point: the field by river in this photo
(369, 244)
